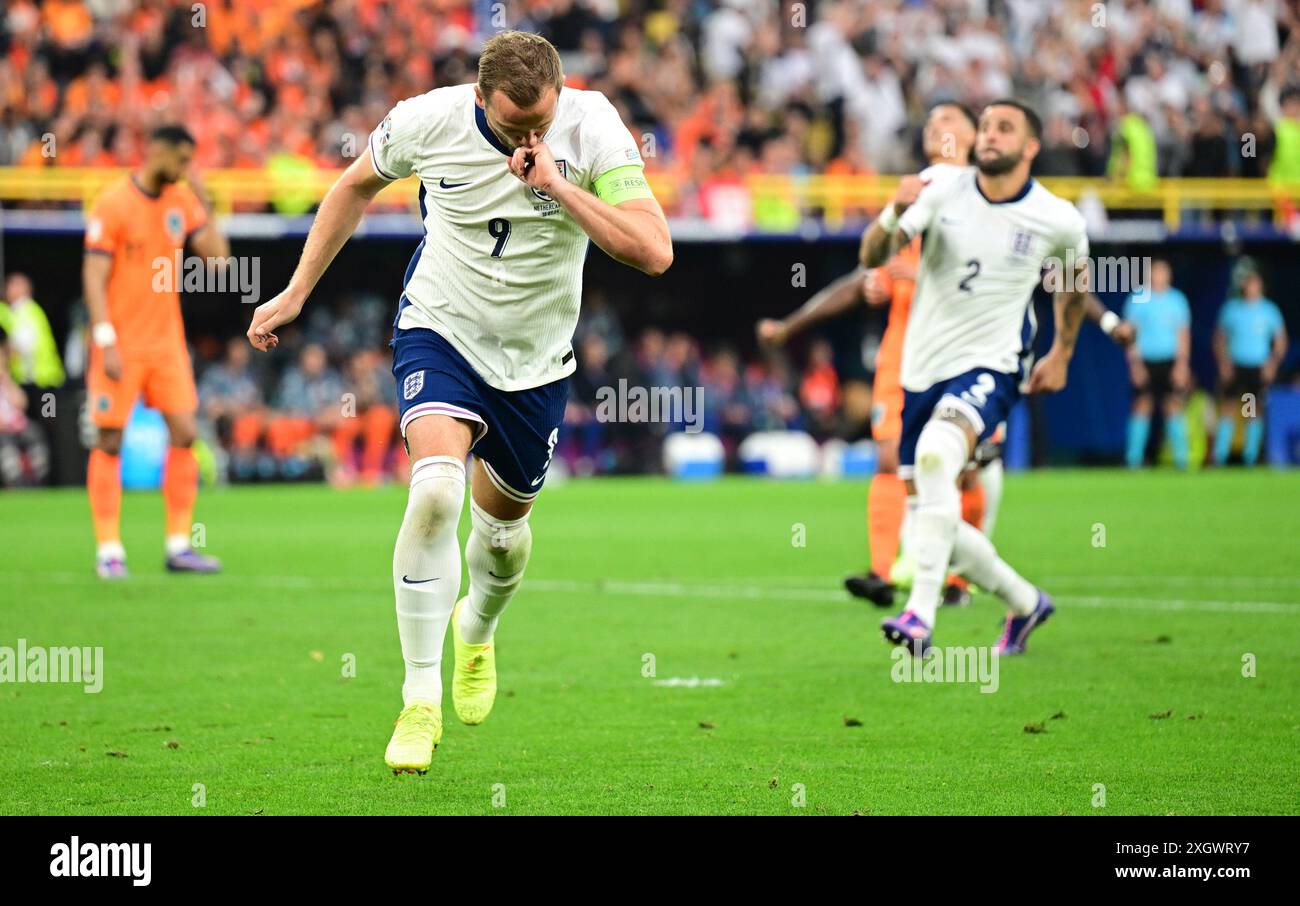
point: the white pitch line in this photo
(658, 588)
(691, 682)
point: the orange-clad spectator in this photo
(309, 399)
(371, 420)
(93, 91)
(68, 22)
(88, 151)
(819, 391)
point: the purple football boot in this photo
(191, 561)
(908, 629)
(1015, 634)
(111, 568)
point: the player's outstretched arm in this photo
(1121, 331)
(633, 232)
(833, 299)
(1050, 374)
(335, 221)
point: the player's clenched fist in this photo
(909, 189)
(535, 166)
(270, 315)
(771, 333)
(1050, 373)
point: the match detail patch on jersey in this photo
(413, 384)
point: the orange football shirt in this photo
(890, 356)
(143, 233)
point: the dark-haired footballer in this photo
(989, 232)
(138, 224)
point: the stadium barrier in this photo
(837, 199)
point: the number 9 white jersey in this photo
(980, 264)
(499, 272)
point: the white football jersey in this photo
(499, 271)
(980, 264)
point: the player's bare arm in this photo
(1221, 356)
(95, 270)
(337, 219)
(208, 242)
(1121, 331)
(1276, 356)
(1182, 373)
(834, 299)
(634, 232)
(1050, 374)
(884, 238)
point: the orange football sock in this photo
(972, 506)
(104, 487)
(180, 487)
(886, 501)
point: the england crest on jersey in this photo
(1021, 243)
(563, 167)
(413, 384)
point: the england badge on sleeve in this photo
(413, 384)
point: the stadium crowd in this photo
(716, 89)
(325, 408)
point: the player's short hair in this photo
(172, 134)
(970, 118)
(1031, 118)
(520, 65)
(962, 109)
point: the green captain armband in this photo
(625, 183)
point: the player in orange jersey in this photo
(947, 139)
(133, 234)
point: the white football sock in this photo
(496, 553)
(974, 557)
(909, 525)
(426, 572)
(941, 453)
(991, 480)
(110, 550)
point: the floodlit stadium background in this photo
(772, 131)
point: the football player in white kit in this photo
(989, 232)
(516, 173)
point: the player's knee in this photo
(887, 460)
(182, 437)
(110, 441)
(437, 495)
(941, 450)
(507, 540)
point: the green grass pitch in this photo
(235, 682)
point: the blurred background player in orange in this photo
(138, 338)
(948, 137)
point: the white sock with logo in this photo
(426, 572)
